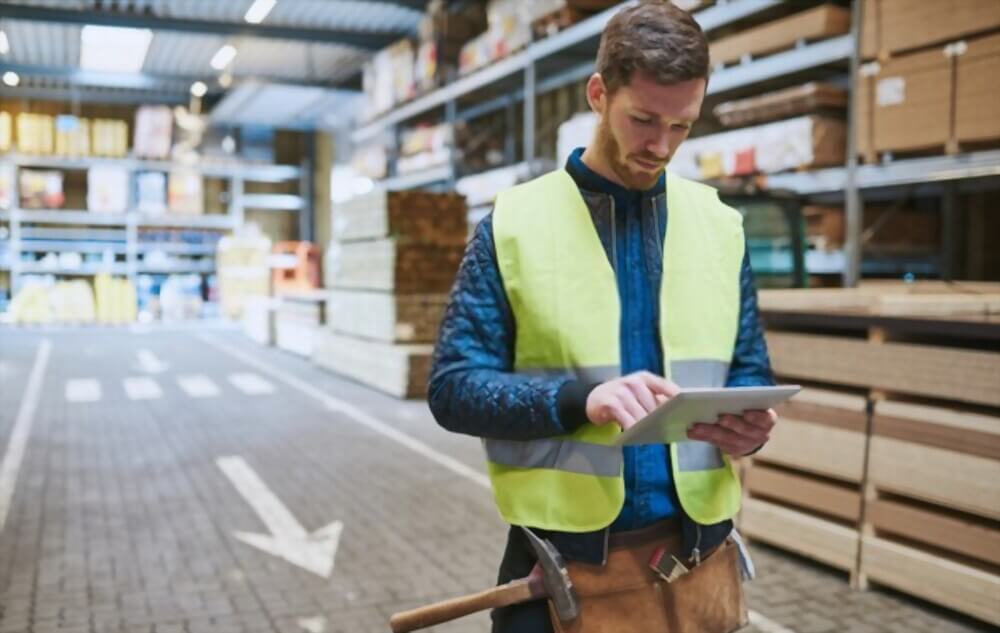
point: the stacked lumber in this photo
(298, 321)
(392, 262)
(892, 470)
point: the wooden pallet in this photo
(398, 370)
(385, 317)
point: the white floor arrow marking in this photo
(251, 384)
(198, 386)
(142, 389)
(313, 625)
(149, 363)
(83, 390)
(287, 539)
(12, 459)
(358, 415)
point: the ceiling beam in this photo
(76, 94)
(357, 39)
(142, 80)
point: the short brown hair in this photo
(656, 38)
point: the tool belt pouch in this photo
(626, 596)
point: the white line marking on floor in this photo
(361, 417)
(287, 539)
(251, 384)
(198, 386)
(313, 625)
(22, 430)
(142, 388)
(149, 363)
(766, 625)
(83, 390)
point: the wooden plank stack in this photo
(392, 262)
(298, 321)
(892, 470)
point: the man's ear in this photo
(597, 94)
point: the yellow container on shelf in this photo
(35, 133)
(6, 132)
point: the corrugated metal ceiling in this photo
(188, 54)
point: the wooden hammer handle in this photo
(522, 590)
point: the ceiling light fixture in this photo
(199, 89)
(11, 79)
(258, 11)
(4, 44)
(113, 49)
(223, 57)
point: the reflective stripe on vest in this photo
(563, 293)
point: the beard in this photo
(618, 161)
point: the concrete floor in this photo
(160, 480)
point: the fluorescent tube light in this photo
(4, 44)
(258, 11)
(113, 49)
(223, 57)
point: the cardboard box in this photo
(977, 115)
(894, 26)
(820, 23)
(904, 104)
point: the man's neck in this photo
(596, 164)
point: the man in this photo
(576, 297)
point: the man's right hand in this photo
(628, 399)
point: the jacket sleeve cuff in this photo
(571, 404)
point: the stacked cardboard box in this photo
(934, 99)
(391, 266)
(895, 475)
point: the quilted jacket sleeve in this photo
(751, 366)
(473, 388)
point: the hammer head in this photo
(555, 577)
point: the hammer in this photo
(549, 579)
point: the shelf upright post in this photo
(451, 118)
(15, 246)
(236, 200)
(529, 112)
(854, 209)
(950, 218)
(132, 227)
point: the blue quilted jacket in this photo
(473, 389)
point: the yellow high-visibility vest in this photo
(564, 296)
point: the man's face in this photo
(642, 124)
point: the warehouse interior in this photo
(229, 231)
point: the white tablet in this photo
(671, 421)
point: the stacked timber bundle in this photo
(888, 466)
(390, 267)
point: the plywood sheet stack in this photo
(392, 262)
(926, 358)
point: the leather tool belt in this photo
(645, 587)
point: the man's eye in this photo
(642, 121)
(680, 127)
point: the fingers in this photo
(658, 384)
(736, 435)
(621, 415)
(641, 392)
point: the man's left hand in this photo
(737, 435)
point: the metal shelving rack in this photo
(554, 62)
(81, 231)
